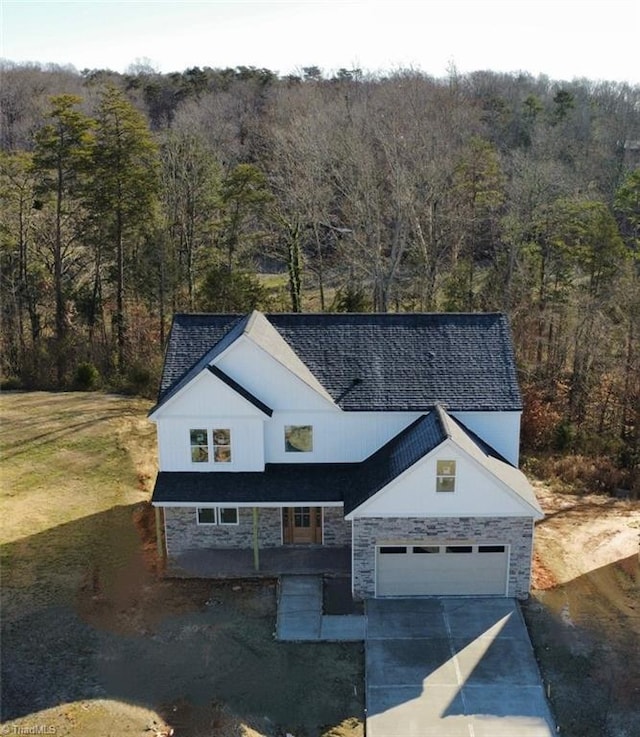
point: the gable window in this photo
(445, 475)
(207, 516)
(298, 438)
(222, 445)
(199, 446)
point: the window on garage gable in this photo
(445, 475)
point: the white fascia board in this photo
(533, 511)
(245, 338)
(448, 442)
(157, 415)
(248, 505)
(398, 479)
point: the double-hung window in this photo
(199, 446)
(445, 475)
(220, 444)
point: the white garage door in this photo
(442, 570)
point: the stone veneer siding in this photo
(336, 530)
(368, 532)
(183, 531)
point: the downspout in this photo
(256, 549)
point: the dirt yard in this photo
(584, 613)
(95, 642)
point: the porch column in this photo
(256, 548)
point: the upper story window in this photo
(445, 475)
(222, 445)
(199, 446)
(298, 438)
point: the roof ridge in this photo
(443, 418)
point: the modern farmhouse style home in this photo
(390, 438)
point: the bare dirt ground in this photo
(94, 641)
(584, 612)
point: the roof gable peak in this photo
(262, 333)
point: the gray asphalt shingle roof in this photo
(376, 362)
(350, 483)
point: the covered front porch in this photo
(272, 562)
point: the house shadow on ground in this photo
(586, 633)
(462, 660)
(86, 618)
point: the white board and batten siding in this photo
(247, 444)
(501, 430)
(338, 437)
(441, 570)
(413, 494)
(207, 403)
(269, 380)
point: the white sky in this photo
(596, 39)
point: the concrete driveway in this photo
(452, 667)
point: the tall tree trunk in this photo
(120, 316)
(61, 347)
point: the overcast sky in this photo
(564, 39)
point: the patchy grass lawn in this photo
(94, 641)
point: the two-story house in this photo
(394, 436)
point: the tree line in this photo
(127, 197)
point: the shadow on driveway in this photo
(452, 667)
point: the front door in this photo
(302, 525)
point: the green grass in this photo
(70, 479)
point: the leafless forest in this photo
(126, 198)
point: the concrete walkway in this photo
(447, 667)
(300, 617)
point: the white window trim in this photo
(200, 445)
(227, 524)
(215, 445)
(218, 517)
(443, 476)
(207, 524)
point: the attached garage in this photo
(441, 570)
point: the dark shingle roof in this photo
(375, 362)
(350, 483)
(300, 483)
(394, 458)
(279, 483)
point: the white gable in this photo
(279, 385)
(208, 396)
(263, 334)
(478, 491)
